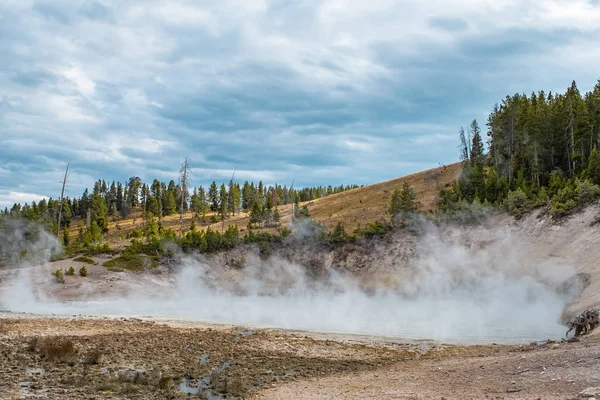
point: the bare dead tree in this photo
(184, 177)
(571, 150)
(60, 206)
(231, 192)
(293, 200)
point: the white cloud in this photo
(332, 90)
(10, 197)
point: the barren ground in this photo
(156, 359)
(274, 364)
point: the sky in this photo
(320, 91)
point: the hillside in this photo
(357, 206)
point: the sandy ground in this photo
(144, 359)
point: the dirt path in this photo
(136, 359)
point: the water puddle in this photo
(204, 359)
(201, 386)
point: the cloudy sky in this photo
(326, 91)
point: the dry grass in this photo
(358, 206)
(54, 348)
(369, 203)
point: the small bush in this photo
(586, 191)
(94, 357)
(338, 235)
(83, 271)
(132, 262)
(377, 228)
(238, 263)
(165, 383)
(99, 249)
(58, 274)
(284, 231)
(516, 203)
(84, 259)
(564, 201)
(136, 233)
(70, 271)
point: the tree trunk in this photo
(62, 195)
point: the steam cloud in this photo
(461, 289)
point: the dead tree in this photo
(293, 200)
(60, 206)
(434, 176)
(184, 174)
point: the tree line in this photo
(542, 150)
(160, 199)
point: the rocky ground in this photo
(101, 358)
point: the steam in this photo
(476, 285)
(24, 242)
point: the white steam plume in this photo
(452, 291)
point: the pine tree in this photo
(65, 238)
(408, 198)
(99, 212)
(477, 145)
(223, 202)
(593, 168)
(213, 196)
(395, 203)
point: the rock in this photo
(130, 375)
(590, 392)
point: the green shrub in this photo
(284, 231)
(377, 228)
(58, 274)
(99, 249)
(84, 259)
(136, 233)
(70, 271)
(338, 235)
(516, 203)
(586, 191)
(560, 209)
(563, 201)
(132, 262)
(238, 263)
(83, 271)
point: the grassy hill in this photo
(357, 206)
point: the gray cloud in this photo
(327, 91)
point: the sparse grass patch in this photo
(165, 383)
(132, 262)
(54, 348)
(59, 257)
(94, 357)
(84, 259)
